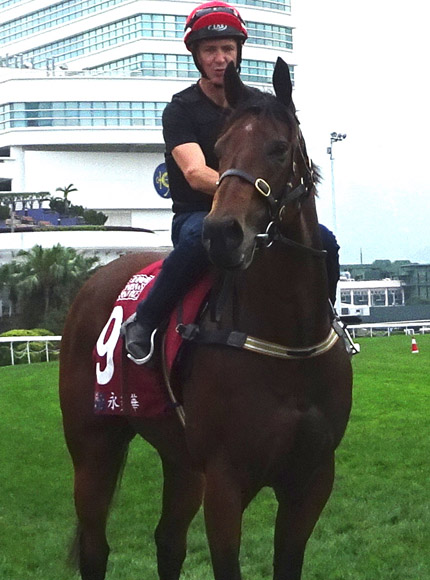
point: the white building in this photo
(83, 84)
(356, 297)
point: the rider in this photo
(214, 34)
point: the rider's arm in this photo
(191, 161)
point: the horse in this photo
(265, 381)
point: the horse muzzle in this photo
(226, 243)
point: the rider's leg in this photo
(333, 269)
(180, 270)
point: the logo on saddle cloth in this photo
(121, 386)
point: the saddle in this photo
(121, 386)
(124, 388)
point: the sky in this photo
(363, 70)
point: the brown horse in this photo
(267, 387)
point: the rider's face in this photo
(214, 56)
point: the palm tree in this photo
(52, 275)
(65, 191)
(8, 280)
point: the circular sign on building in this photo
(161, 181)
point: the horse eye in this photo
(278, 149)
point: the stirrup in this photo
(147, 358)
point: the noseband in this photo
(277, 205)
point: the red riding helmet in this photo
(214, 20)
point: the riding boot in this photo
(138, 340)
(180, 271)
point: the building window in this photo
(258, 71)
(58, 14)
(144, 26)
(361, 297)
(54, 15)
(182, 66)
(270, 35)
(140, 26)
(377, 298)
(283, 5)
(5, 3)
(345, 296)
(81, 114)
(154, 65)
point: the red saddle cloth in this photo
(122, 387)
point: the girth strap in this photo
(242, 340)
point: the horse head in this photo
(263, 167)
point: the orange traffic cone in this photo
(414, 347)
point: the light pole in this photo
(334, 137)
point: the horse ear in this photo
(282, 82)
(235, 91)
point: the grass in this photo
(375, 526)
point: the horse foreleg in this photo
(97, 466)
(223, 508)
(182, 498)
(299, 508)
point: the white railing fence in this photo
(51, 348)
(409, 327)
(32, 352)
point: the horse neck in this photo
(283, 296)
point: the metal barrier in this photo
(409, 327)
(15, 354)
(356, 330)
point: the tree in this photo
(4, 212)
(8, 280)
(93, 217)
(62, 205)
(46, 280)
(66, 190)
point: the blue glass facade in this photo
(81, 114)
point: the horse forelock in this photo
(264, 105)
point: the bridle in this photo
(277, 203)
(241, 340)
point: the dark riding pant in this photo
(183, 267)
(188, 261)
(330, 244)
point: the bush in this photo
(4, 212)
(65, 208)
(94, 218)
(28, 332)
(55, 318)
(59, 205)
(37, 348)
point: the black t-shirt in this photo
(191, 117)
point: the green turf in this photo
(375, 526)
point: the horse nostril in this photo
(233, 233)
(223, 234)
